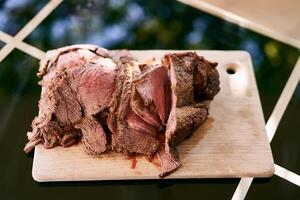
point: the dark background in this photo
(140, 24)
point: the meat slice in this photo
(59, 107)
(151, 97)
(137, 142)
(206, 79)
(169, 160)
(189, 75)
(93, 136)
(140, 137)
(94, 84)
(188, 119)
(114, 104)
(146, 112)
(136, 123)
(123, 109)
(166, 154)
(61, 100)
(182, 63)
(123, 74)
(129, 137)
(43, 131)
(77, 82)
(153, 87)
(70, 136)
(197, 78)
(67, 57)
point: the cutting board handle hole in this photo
(230, 70)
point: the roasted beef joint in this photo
(110, 102)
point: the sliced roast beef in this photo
(136, 123)
(109, 101)
(78, 82)
(129, 137)
(169, 160)
(123, 74)
(62, 101)
(153, 87)
(197, 78)
(93, 136)
(59, 107)
(67, 57)
(114, 104)
(188, 119)
(70, 136)
(182, 63)
(147, 113)
(184, 117)
(94, 84)
(167, 155)
(43, 131)
(101, 117)
(120, 128)
(206, 79)
(137, 142)
(140, 137)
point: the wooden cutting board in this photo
(232, 143)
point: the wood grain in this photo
(232, 143)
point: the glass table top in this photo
(278, 20)
(141, 24)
